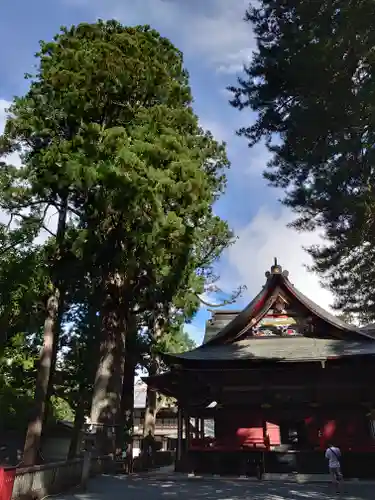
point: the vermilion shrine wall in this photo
(351, 430)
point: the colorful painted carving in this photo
(275, 324)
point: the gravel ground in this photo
(123, 488)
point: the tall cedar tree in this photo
(109, 138)
(158, 176)
(311, 81)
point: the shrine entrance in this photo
(293, 434)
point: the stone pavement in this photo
(152, 488)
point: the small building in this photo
(56, 442)
(55, 445)
(279, 380)
(165, 425)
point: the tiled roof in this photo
(369, 329)
(238, 322)
(220, 318)
(281, 349)
(322, 313)
(223, 327)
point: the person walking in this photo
(333, 455)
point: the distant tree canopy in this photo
(311, 82)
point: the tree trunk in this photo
(151, 410)
(48, 352)
(79, 420)
(109, 376)
(34, 430)
(125, 423)
(124, 430)
(55, 349)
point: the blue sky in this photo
(216, 42)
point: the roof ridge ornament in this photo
(276, 269)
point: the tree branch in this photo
(226, 302)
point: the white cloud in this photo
(213, 29)
(265, 237)
(223, 37)
(258, 159)
(217, 129)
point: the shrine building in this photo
(275, 383)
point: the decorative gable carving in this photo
(280, 310)
(280, 321)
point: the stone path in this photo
(158, 488)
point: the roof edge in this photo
(322, 313)
(276, 279)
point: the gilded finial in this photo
(276, 268)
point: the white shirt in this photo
(333, 454)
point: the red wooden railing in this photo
(6, 483)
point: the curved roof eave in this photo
(275, 279)
(322, 313)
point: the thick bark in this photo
(48, 353)
(125, 423)
(57, 329)
(151, 409)
(109, 376)
(35, 427)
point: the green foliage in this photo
(23, 279)
(109, 141)
(107, 123)
(176, 340)
(78, 362)
(61, 409)
(24, 282)
(16, 380)
(311, 83)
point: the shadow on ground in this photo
(123, 488)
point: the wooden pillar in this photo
(196, 425)
(202, 428)
(179, 435)
(187, 431)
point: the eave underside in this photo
(282, 386)
(188, 387)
